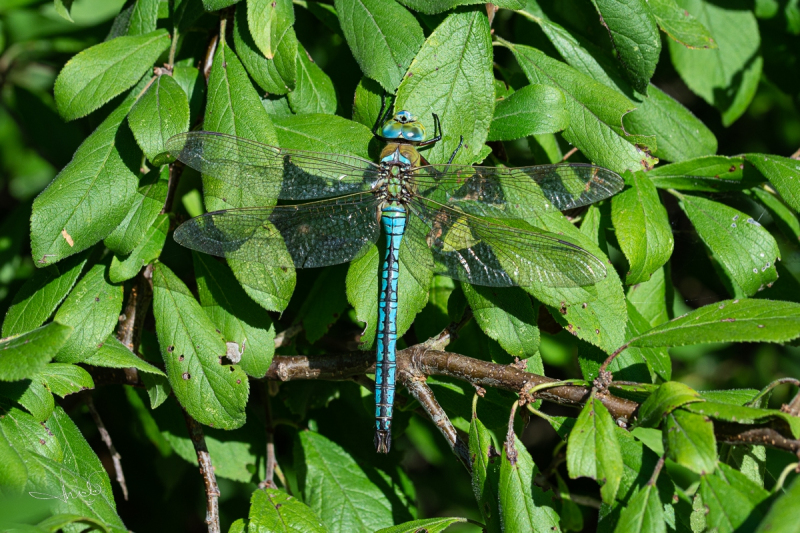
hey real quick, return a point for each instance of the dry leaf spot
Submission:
(67, 237)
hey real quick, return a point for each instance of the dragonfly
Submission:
(466, 222)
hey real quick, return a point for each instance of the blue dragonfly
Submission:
(466, 222)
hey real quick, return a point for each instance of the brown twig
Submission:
(448, 334)
(283, 338)
(569, 154)
(207, 471)
(106, 436)
(270, 431)
(415, 383)
(657, 470)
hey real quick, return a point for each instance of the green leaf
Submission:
(784, 515)
(783, 217)
(236, 316)
(212, 393)
(147, 204)
(728, 321)
(63, 379)
(323, 133)
(161, 112)
(14, 474)
(746, 415)
(634, 36)
(678, 133)
(506, 315)
(438, 81)
(92, 311)
(725, 77)
(337, 489)
(98, 74)
(689, 441)
(367, 102)
(783, 173)
(383, 36)
(32, 395)
(532, 110)
(432, 7)
(24, 356)
(593, 450)
(277, 74)
(668, 397)
(234, 107)
(145, 252)
(60, 461)
(90, 196)
(274, 511)
(41, 294)
(485, 474)
(643, 514)
(680, 25)
(314, 91)
(414, 280)
(114, 354)
(216, 5)
(745, 250)
(595, 111)
(711, 174)
(144, 17)
(657, 359)
(650, 298)
(642, 228)
(598, 313)
(428, 525)
(727, 507)
(523, 505)
(63, 8)
(268, 22)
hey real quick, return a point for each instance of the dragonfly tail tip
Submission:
(383, 441)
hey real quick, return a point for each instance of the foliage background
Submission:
(166, 493)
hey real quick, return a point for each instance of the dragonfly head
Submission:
(403, 126)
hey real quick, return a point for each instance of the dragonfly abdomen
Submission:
(393, 218)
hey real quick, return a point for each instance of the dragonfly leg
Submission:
(453, 156)
(382, 117)
(437, 131)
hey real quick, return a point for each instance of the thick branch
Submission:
(415, 383)
(207, 471)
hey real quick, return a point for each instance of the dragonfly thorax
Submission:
(397, 164)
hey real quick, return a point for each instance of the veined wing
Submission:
(270, 171)
(516, 192)
(482, 252)
(315, 234)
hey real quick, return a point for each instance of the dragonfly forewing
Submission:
(314, 234)
(491, 253)
(272, 172)
(499, 192)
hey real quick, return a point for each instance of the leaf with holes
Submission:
(213, 393)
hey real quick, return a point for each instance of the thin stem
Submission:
(771, 386)
(569, 154)
(782, 478)
(538, 413)
(657, 470)
(173, 47)
(207, 471)
(106, 436)
(675, 193)
(611, 358)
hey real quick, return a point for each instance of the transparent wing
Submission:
(315, 234)
(270, 171)
(516, 192)
(484, 252)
